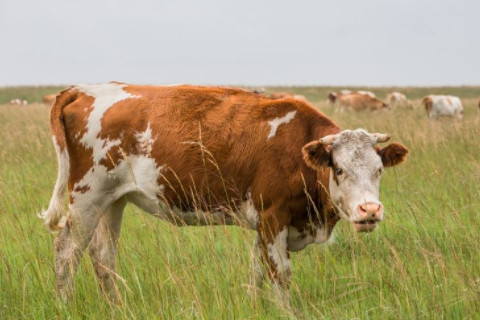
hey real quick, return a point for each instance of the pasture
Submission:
(422, 261)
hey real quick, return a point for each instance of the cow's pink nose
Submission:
(370, 210)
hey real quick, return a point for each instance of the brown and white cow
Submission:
(439, 105)
(356, 101)
(397, 100)
(206, 155)
(367, 93)
(48, 99)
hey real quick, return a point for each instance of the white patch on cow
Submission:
(278, 252)
(278, 121)
(99, 187)
(249, 213)
(145, 140)
(106, 95)
(298, 241)
(54, 215)
(353, 152)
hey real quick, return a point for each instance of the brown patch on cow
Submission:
(428, 104)
(57, 126)
(332, 97)
(316, 156)
(82, 189)
(393, 154)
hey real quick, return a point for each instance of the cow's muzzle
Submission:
(369, 214)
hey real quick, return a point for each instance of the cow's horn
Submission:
(381, 137)
(328, 140)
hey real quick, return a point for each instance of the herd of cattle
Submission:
(435, 105)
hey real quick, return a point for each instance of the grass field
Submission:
(422, 263)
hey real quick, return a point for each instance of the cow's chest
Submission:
(299, 239)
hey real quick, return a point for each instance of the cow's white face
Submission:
(356, 166)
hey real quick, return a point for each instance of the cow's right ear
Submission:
(316, 155)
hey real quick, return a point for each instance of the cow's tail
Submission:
(55, 216)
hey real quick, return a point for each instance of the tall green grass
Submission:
(421, 263)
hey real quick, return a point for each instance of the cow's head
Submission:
(356, 165)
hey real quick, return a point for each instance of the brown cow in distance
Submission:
(48, 99)
(356, 101)
(206, 155)
(281, 95)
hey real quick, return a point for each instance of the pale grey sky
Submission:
(334, 42)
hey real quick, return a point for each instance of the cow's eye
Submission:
(379, 171)
(339, 171)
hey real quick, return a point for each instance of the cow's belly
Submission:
(174, 215)
(246, 216)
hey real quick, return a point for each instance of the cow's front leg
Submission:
(272, 242)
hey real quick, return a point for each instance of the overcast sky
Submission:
(337, 42)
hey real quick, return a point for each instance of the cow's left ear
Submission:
(316, 155)
(392, 154)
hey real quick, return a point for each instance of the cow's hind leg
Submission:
(103, 248)
(70, 245)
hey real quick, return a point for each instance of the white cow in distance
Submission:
(397, 100)
(367, 93)
(19, 102)
(443, 105)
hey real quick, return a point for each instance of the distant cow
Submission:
(356, 101)
(367, 93)
(437, 105)
(281, 95)
(397, 100)
(20, 102)
(206, 155)
(48, 99)
(332, 96)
